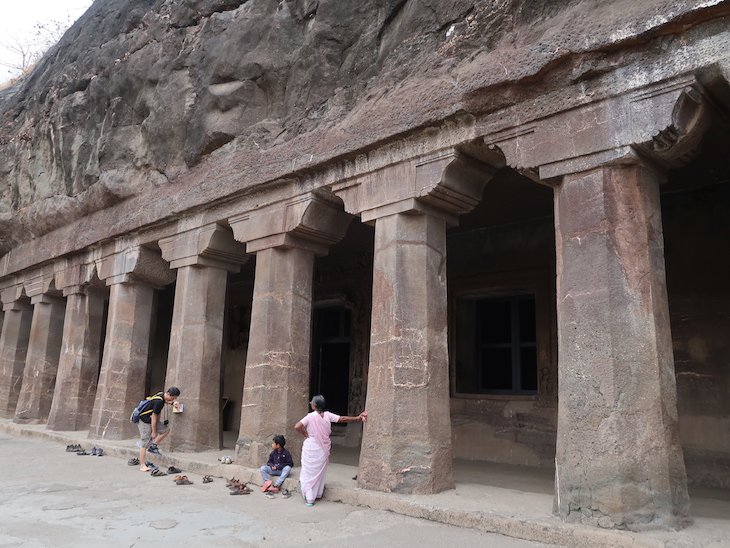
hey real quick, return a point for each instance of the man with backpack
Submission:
(153, 429)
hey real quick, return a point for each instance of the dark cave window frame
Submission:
(508, 287)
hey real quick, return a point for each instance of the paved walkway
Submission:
(508, 500)
(58, 499)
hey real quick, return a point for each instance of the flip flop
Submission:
(183, 481)
(156, 472)
(134, 461)
(173, 470)
(266, 485)
(207, 479)
(269, 495)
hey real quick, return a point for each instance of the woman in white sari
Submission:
(316, 428)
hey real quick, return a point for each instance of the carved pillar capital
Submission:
(39, 282)
(210, 245)
(75, 278)
(663, 122)
(11, 297)
(446, 184)
(309, 221)
(134, 264)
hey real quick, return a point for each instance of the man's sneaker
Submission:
(154, 449)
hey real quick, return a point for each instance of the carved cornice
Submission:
(133, 264)
(664, 121)
(40, 281)
(210, 245)
(12, 297)
(310, 221)
(77, 277)
(679, 142)
(447, 183)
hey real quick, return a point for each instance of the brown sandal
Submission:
(183, 481)
(241, 490)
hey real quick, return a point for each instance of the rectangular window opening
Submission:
(496, 345)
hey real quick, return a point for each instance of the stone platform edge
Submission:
(551, 531)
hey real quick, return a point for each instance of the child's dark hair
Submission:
(173, 391)
(280, 440)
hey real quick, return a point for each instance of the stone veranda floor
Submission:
(512, 501)
(54, 498)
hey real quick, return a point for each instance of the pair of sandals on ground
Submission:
(269, 489)
(154, 469)
(76, 448)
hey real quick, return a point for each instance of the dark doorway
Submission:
(331, 357)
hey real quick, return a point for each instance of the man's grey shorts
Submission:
(145, 432)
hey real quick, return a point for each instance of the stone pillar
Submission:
(406, 443)
(619, 461)
(276, 384)
(203, 257)
(78, 368)
(132, 275)
(41, 361)
(13, 349)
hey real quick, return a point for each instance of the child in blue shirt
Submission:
(279, 465)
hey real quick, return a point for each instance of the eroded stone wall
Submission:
(137, 94)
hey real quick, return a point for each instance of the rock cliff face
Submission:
(138, 92)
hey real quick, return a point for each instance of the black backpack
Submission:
(138, 411)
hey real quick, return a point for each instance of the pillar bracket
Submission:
(210, 245)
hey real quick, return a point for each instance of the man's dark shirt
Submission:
(279, 459)
(155, 406)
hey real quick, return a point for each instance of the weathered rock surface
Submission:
(137, 93)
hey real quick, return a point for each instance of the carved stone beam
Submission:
(71, 277)
(679, 142)
(211, 245)
(447, 183)
(311, 221)
(40, 281)
(11, 294)
(664, 121)
(134, 263)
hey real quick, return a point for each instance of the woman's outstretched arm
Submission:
(362, 417)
